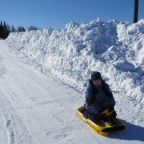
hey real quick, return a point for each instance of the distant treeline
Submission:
(5, 29)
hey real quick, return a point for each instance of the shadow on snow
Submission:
(131, 132)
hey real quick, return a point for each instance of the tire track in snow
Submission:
(17, 132)
(3, 131)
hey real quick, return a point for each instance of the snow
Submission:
(113, 48)
(39, 96)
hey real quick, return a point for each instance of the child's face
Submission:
(97, 82)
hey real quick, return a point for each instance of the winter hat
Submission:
(95, 75)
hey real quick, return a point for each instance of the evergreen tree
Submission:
(1, 29)
(13, 29)
(32, 28)
(4, 30)
(21, 29)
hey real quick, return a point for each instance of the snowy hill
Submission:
(114, 48)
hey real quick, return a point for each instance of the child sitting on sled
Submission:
(99, 99)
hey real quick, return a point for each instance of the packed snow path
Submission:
(35, 109)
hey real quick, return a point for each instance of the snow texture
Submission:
(43, 108)
(115, 49)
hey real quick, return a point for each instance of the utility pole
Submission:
(136, 3)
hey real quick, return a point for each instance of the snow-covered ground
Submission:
(113, 48)
(39, 109)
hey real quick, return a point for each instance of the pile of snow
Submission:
(114, 48)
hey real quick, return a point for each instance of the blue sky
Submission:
(57, 13)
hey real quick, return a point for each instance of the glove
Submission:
(114, 114)
(110, 108)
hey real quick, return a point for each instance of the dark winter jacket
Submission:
(98, 99)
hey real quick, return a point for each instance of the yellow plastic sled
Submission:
(104, 128)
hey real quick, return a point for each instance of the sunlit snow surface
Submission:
(69, 55)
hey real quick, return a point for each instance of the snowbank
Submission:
(115, 49)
